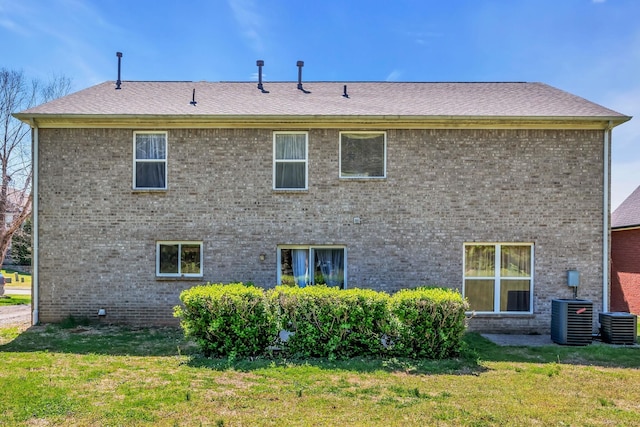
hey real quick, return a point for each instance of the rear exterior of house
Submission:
(494, 189)
(625, 255)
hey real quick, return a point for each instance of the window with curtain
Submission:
(150, 160)
(363, 155)
(312, 265)
(178, 259)
(498, 277)
(290, 160)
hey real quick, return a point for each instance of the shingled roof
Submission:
(325, 99)
(628, 213)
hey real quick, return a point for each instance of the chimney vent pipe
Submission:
(300, 64)
(119, 82)
(260, 64)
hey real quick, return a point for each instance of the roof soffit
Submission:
(276, 122)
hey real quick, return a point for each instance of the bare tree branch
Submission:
(18, 94)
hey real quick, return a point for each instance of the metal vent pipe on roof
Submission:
(260, 64)
(119, 82)
(300, 64)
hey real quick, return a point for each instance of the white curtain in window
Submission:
(289, 172)
(290, 146)
(479, 261)
(300, 261)
(515, 261)
(151, 157)
(331, 266)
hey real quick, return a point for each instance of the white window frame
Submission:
(311, 249)
(306, 160)
(384, 174)
(497, 277)
(179, 243)
(165, 160)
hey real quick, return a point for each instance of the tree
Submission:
(18, 94)
(21, 244)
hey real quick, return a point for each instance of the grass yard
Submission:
(14, 300)
(110, 376)
(18, 280)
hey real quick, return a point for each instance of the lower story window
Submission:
(498, 277)
(179, 259)
(309, 265)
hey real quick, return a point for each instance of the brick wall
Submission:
(625, 271)
(443, 188)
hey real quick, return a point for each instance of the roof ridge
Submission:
(328, 81)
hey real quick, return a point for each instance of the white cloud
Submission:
(12, 26)
(254, 76)
(394, 76)
(423, 37)
(250, 21)
(13, 17)
(72, 35)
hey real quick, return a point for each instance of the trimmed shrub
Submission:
(228, 320)
(240, 320)
(333, 323)
(430, 322)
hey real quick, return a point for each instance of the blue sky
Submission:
(587, 47)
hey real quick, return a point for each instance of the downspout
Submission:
(34, 218)
(605, 221)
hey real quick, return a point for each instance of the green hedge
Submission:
(328, 322)
(241, 320)
(224, 320)
(430, 322)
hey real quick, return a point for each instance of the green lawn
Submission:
(14, 300)
(18, 280)
(109, 376)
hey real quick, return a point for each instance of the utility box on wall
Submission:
(573, 278)
(571, 321)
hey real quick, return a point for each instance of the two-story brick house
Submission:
(495, 189)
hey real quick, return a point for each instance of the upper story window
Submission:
(290, 161)
(363, 155)
(150, 160)
(179, 259)
(498, 277)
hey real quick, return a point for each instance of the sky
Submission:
(590, 48)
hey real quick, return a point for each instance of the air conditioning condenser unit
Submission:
(618, 328)
(571, 321)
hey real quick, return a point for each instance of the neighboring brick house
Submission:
(625, 255)
(495, 189)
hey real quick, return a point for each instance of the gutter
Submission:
(626, 227)
(35, 288)
(606, 256)
(285, 121)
